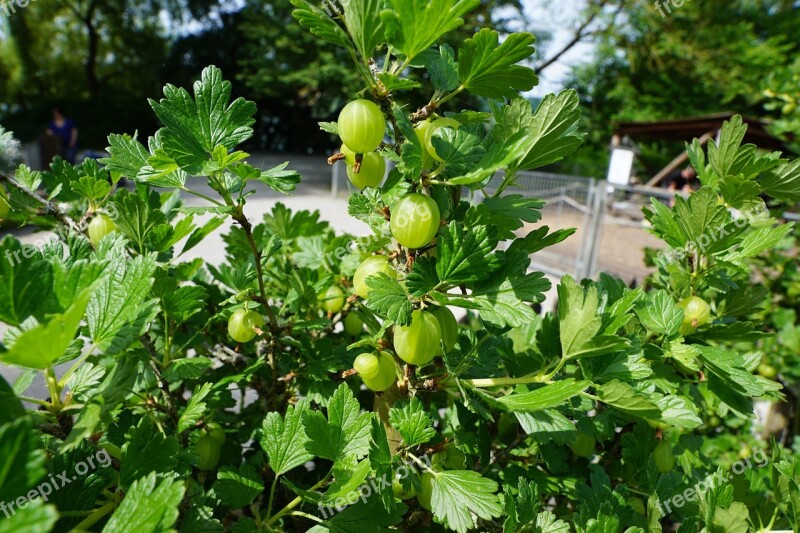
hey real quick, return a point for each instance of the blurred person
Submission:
(684, 181)
(65, 130)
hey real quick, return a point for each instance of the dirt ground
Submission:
(621, 245)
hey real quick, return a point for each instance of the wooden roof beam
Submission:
(678, 161)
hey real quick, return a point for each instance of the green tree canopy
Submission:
(704, 57)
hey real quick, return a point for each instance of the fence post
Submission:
(600, 214)
(590, 244)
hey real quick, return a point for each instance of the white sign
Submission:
(620, 166)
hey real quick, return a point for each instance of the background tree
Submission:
(102, 58)
(95, 58)
(705, 57)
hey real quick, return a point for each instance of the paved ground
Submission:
(621, 245)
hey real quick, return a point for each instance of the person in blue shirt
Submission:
(67, 133)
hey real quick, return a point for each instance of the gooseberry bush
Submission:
(306, 384)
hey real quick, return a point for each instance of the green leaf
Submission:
(39, 347)
(552, 128)
(26, 283)
(117, 302)
(783, 182)
(460, 149)
(545, 397)
(161, 169)
(201, 233)
(547, 522)
(147, 450)
(91, 188)
(734, 519)
(371, 516)
(722, 156)
(30, 179)
(200, 519)
(21, 461)
(380, 458)
(70, 280)
(412, 26)
(344, 432)
(203, 210)
(623, 397)
(458, 494)
(35, 517)
(539, 239)
(500, 155)
(677, 411)
(547, 425)
(364, 25)
(488, 68)
(12, 407)
(195, 409)
(279, 179)
(520, 510)
(505, 214)
(393, 82)
(238, 488)
(759, 240)
(700, 214)
(441, 65)
(86, 423)
(190, 368)
(731, 381)
(128, 156)
(150, 506)
(320, 24)
(194, 127)
(659, 313)
(349, 476)
(389, 299)
(739, 192)
(464, 255)
(504, 298)
(423, 278)
(184, 302)
(412, 422)
(577, 315)
(330, 127)
(367, 207)
(138, 218)
(83, 383)
(284, 439)
(664, 223)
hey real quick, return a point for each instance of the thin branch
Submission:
(48, 208)
(579, 35)
(151, 349)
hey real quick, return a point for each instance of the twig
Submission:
(577, 37)
(48, 208)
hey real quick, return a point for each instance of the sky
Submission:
(560, 18)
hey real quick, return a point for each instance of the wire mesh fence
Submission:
(610, 229)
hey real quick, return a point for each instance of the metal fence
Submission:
(611, 232)
(570, 203)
